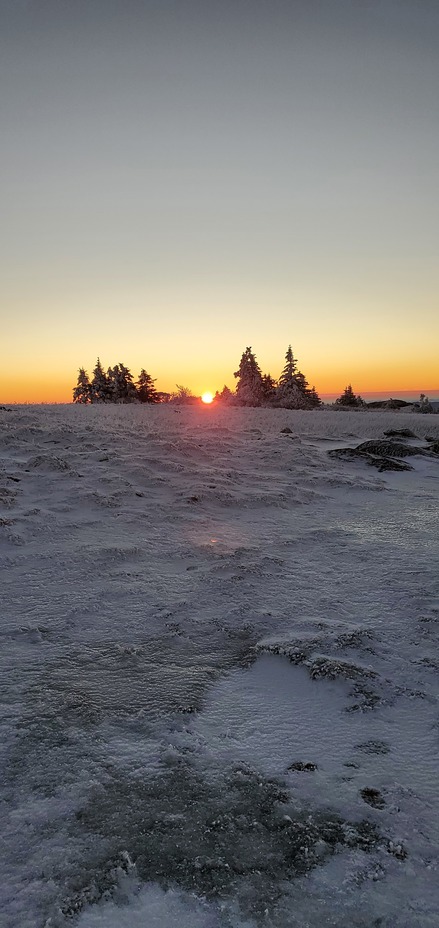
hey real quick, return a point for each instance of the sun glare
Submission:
(207, 397)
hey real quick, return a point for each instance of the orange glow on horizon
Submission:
(56, 387)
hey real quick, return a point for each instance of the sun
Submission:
(207, 397)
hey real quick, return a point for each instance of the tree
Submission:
(313, 397)
(288, 374)
(268, 388)
(82, 391)
(120, 386)
(226, 397)
(349, 399)
(249, 389)
(99, 385)
(424, 404)
(291, 396)
(184, 396)
(293, 391)
(146, 390)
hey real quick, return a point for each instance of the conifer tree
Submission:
(249, 389)
(146, 390)
(99, 385)
(348, 398)
(112, 374)
(292, 391)
(289, 371)
(313, 397)
(120, 384)
(226, 397)
(268, 388)
(127, 387)
(82, 391)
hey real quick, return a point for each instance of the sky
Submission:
(180, 179)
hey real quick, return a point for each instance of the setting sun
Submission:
(207, 397)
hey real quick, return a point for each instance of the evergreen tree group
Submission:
(254, 388)
(114, 386)
(349, 400)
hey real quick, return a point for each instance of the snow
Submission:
(219, 670)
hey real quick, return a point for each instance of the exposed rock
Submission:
(388, 404)
(434, 446)
(347, 454)
(334, 669)
(389, 449)
(382, 463)
(373, 797)
(302, 767)
(389, 464)
(286, 431)
(400, 433)
(373, 747)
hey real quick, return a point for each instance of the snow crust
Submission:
(219, 670)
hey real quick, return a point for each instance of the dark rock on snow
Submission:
(390, 464)
(389, 449)
(373, 797)
(303, 767)
(374, 460)
(400, 433)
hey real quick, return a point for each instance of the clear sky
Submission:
(183, 178)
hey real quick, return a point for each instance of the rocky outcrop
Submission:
(400, 433)
(385, 453)
(374, 460)
(390, 449)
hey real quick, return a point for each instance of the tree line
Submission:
(253, 388)
(116, 385)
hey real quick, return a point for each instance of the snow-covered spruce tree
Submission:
(290, 396)
(313, 397)
(293, 391)
(289, 371)
(146, 390)
(112, 375)
(268, 389)
(99, 385)
(121, 386)
(226, 397)
(82, 391)
(249, 389)
(349, 399)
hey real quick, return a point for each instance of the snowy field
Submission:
(219, 670)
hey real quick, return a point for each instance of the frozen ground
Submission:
(220, 671)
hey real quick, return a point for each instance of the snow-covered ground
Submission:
(219, 669)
